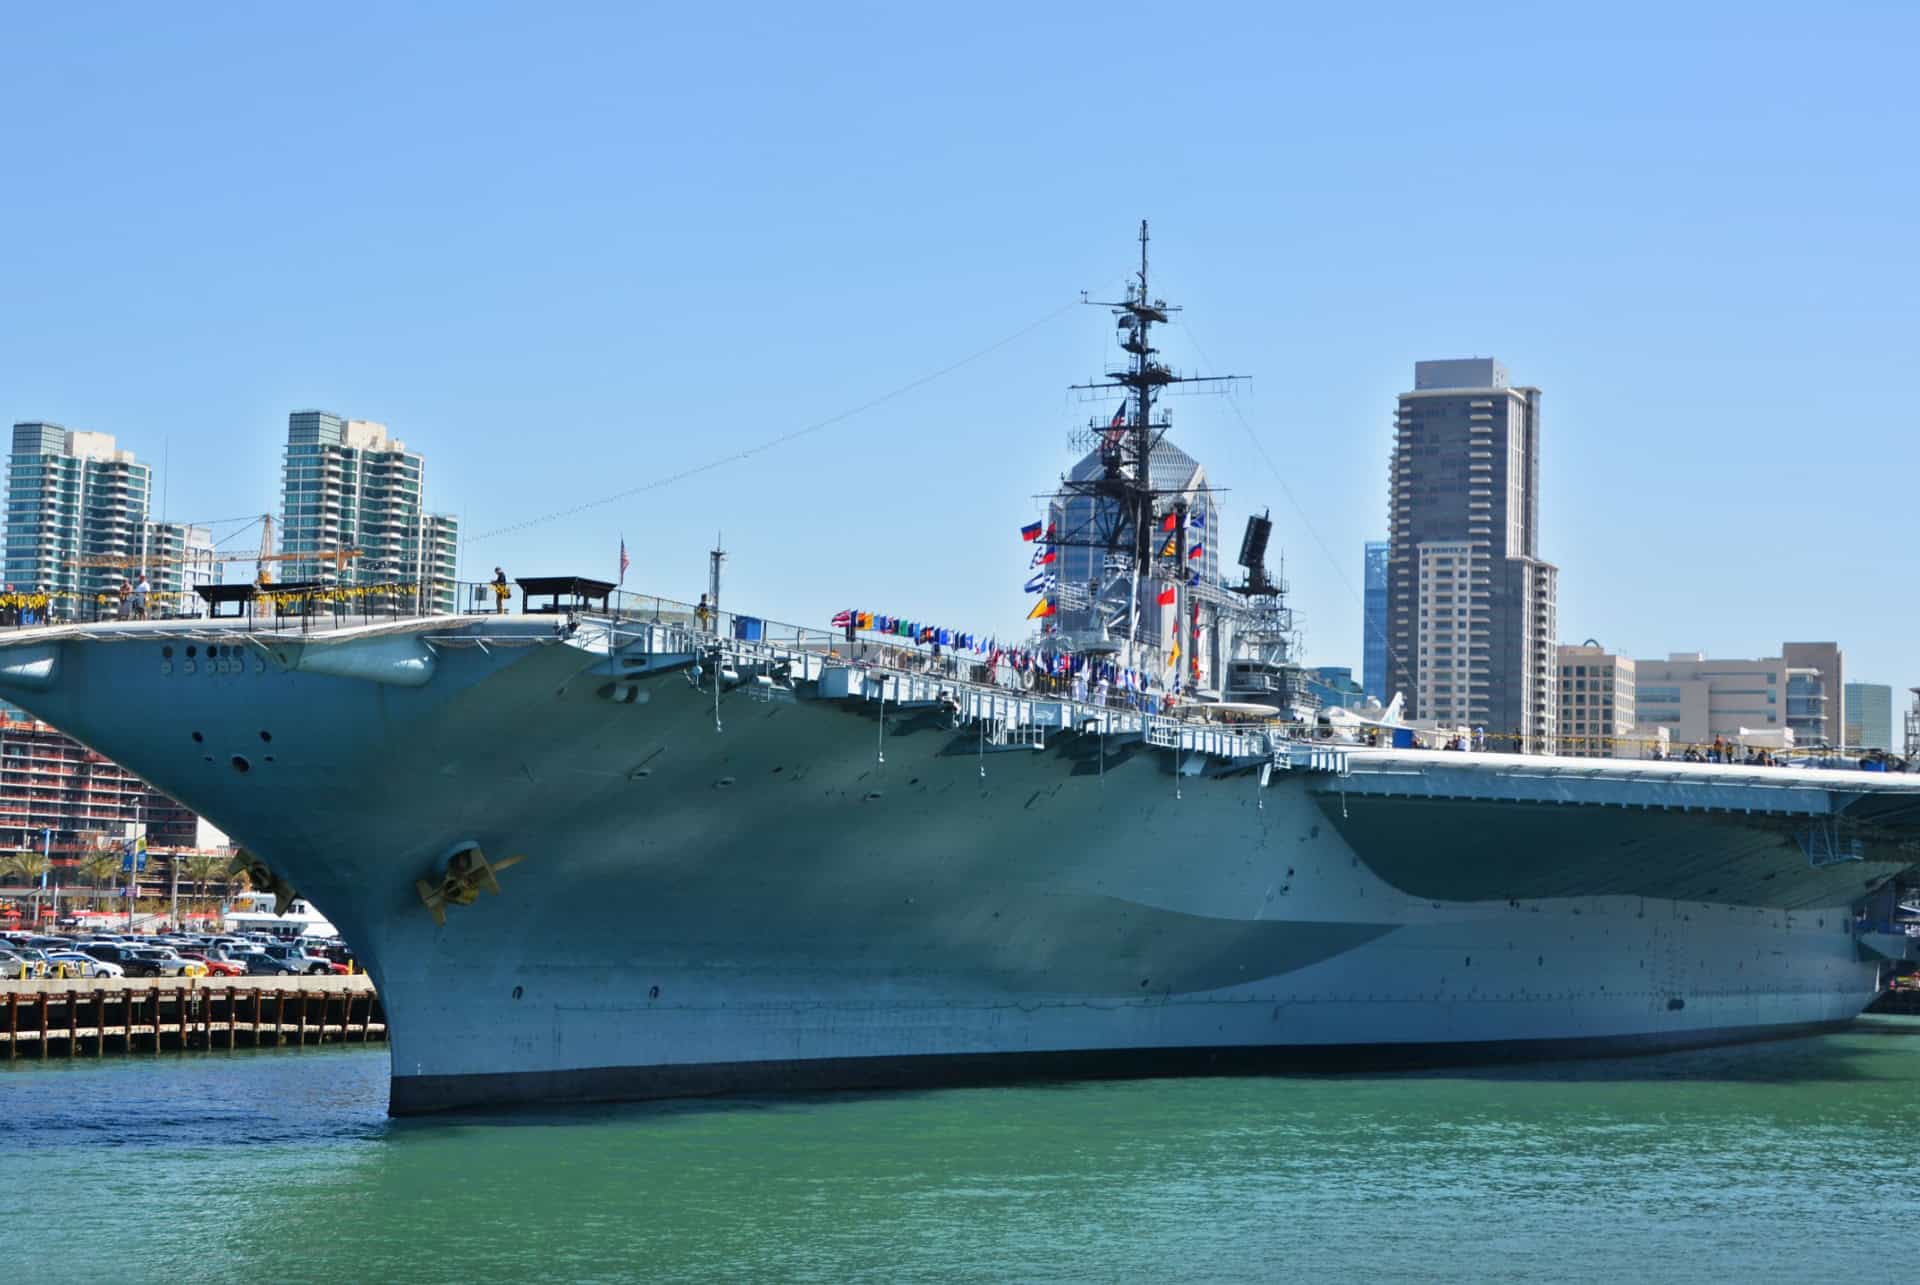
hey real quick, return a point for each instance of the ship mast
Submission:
(1125, 501)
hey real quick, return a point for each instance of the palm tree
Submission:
(203, 868)
(29, 867)
(26, 865)
(100, 866)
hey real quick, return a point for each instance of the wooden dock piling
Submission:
(169, 1014)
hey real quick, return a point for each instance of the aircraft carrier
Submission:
(627, 847)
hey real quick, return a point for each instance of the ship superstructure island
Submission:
(624, 847)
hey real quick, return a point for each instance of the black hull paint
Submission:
(424, 1094)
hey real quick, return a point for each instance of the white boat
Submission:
(253, 912)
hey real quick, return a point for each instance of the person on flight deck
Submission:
(703, 613)
(126, 599)
(500, 592)
(140, 597)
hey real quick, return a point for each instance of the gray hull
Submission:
(815, 894)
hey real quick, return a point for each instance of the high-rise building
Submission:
(1471, 610)
(181, 559)
(1816, 692)
(72, 496)
(1596, 703)
(1869, 717)
(348, 485)
(1373, 622)
(51, 782)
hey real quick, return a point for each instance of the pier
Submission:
(93, 1018)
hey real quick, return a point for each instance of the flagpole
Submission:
(1180, 588)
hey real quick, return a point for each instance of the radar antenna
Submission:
(1130, 519)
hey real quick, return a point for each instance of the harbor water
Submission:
(1782, 1161)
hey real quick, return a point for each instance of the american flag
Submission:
(625, 561)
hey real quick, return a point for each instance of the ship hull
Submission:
(427, 1094)
(723, 894)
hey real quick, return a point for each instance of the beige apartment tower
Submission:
(1471, 607)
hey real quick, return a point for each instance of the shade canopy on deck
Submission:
(562, 593)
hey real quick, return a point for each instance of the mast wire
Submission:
(1393, 655)
(784, 438)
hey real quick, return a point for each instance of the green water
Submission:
(1789, 1161)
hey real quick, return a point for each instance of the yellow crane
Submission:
(204, 558)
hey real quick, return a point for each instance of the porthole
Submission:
(192, 652)
(213, 649)
(197, 738)
(166, 653)
(267, 737)
(240, 764)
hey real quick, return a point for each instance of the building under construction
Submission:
(51, 782)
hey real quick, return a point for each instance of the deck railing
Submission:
(280, 610)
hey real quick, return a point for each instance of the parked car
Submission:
(34, 955)
(261, 964)
(299, 960)
(15, 968)
(157, 961)
(79, 965)
(216, 967)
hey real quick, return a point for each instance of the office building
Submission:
(1597, 703)
(1869, 717)
(1373, 622)
(76, 515)
(348, 485)
(1333, 685)
(1698, 698)
(1471, 610)
(1816, 692)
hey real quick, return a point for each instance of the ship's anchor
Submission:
(468, 871)
(263, 879)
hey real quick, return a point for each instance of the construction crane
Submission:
(212, 558)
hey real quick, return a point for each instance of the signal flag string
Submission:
(784, 438)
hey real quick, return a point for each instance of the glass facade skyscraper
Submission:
(1869, 717)
(1373, 622)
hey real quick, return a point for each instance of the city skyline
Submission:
(595, 300)
(176, 576)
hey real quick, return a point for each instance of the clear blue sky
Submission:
(567, 250)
